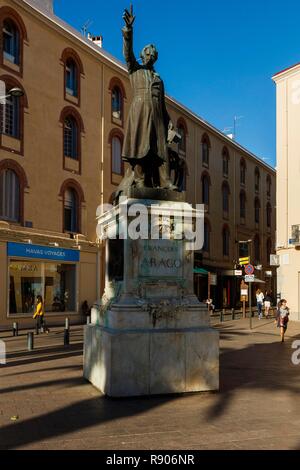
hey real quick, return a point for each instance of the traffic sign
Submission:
(249, 269)
(250, 278)
(238, 272)
(244, 261)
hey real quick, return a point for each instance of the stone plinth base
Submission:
(151, 362)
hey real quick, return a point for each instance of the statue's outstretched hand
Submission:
(129, 17)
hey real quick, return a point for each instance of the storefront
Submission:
(37, 270)
(64, 277)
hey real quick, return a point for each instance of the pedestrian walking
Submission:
(282, 317)
(39, 316)
(210, 305)
(267, 303)
(259, 301)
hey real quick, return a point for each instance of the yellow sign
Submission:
(244, 261)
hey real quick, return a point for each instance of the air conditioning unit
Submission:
(295, 235)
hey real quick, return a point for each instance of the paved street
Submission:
(258, 406)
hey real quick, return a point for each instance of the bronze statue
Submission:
(149, 128)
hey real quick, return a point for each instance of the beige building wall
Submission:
(288, 173)
(42, 161)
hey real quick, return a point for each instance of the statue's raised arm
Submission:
(129, 56)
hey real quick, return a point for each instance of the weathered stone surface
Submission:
(151, 362)
(150, 334)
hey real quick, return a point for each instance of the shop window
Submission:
(11, 42)
(71, 211)
(9, 196)
(56, 283)
(71, 78)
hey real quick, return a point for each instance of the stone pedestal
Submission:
(149, 334)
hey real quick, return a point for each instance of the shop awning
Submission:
(201, 271)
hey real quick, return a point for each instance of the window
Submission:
(117, 104)
(9, 196)
(257, 180)
(256, 249)
(71, 78)
(269, 185)
(117, 163)
(243, 172)
(205, 150)
(56, 283)
(70, 138)
(10, 117)
(243, 250)
(242, 205)
(71, 211)
(257, 211)
(269, 250)
(11, 42)
(225, 241)
(225, 158)
(269, 215)
(225, 197)
(182, 132)
(73, 70)
(206, 245)
(13, 35)
(205, 189)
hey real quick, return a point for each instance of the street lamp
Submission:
(15, 92)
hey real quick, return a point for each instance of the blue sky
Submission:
(216, 57)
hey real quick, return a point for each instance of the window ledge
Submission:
(10, 64)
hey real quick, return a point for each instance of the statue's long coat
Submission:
(148, 121)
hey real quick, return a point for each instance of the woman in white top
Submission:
(260, 300)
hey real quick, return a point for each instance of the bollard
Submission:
(233, 314)
(66, 337)
(222, 315)
(67, 324)
(15, 329)
(30, 341)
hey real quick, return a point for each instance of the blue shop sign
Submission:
(20, 250)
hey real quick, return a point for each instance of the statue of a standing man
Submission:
(149, 127)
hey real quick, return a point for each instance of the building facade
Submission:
(288, 170)
(60, 158)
